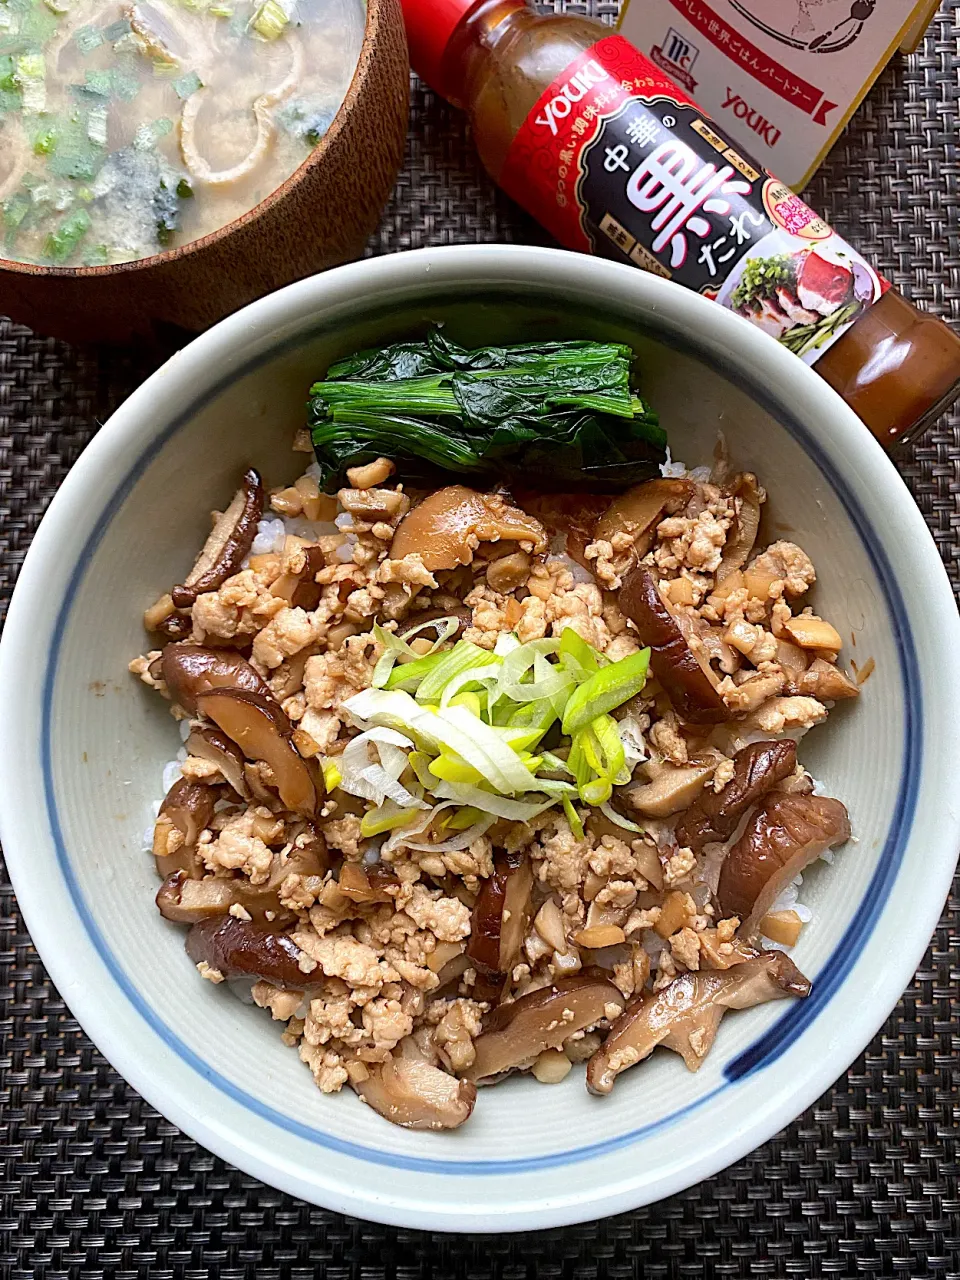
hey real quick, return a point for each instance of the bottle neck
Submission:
(474, 45)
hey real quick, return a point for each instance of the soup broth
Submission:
(130, 128)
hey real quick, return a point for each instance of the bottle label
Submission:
(616, 160)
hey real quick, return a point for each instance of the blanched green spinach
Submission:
(555, 415)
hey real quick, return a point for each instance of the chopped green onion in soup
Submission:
(130, 127)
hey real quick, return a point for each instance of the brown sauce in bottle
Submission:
(896, 367)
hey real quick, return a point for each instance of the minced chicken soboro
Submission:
(340, 834)
(127, 129)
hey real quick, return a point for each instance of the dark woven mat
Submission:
(865, 1183)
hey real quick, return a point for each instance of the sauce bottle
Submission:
(614, 158)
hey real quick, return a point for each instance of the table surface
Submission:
(95, 1182)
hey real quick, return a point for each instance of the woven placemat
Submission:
(96, 1183)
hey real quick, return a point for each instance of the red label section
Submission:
(542, 169)
(616, 160)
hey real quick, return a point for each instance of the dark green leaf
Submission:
(562, 411)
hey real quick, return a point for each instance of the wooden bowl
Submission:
(321, 216)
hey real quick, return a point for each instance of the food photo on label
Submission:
(490, 729)
(615, 158)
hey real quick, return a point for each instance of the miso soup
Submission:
(130, 128)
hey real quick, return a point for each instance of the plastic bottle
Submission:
(597, 144)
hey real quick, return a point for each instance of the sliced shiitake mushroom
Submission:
(688, 682)
(242, 949)
(501, 915)
(228, 544)
(216, 748)
(714, 815)
(826, 682)
(785, 835)
(367, 884)
(444, 529)
(187, 808)
(185, 900)
(301, 590)
(569, 519)
(411, 1092)
(261, 730)
(639, 510)
(463, 615)
(515, 1034)
(743, 535)
(685, 1015)
(671, 788)
(191, 669)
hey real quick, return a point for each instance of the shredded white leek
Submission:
(462, 734)
(394, 647)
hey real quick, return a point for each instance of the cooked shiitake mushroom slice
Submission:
(671, 787)
(186, 809)
(190, 669)
(714, 815)
(445, 527)
(411, 1092)
(186, 901)
(784, 836)
(215, 747)
(262, 731)
(463, 615)
(515, 1034)
(688, 682)
(241, 949)
(501, 915)
(685, 1015)
(639, 510)
(743, 535)
(228, 544)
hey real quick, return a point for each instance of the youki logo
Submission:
(760, 125)
(676, 56)
(558, 108)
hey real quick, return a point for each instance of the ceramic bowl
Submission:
(322, 215)
(82, 745)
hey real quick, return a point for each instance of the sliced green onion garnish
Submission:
(61, 243)
(573, 818)
(269, 20)
(606, 689)
(464, 656)
(30, 75)
(394, 647)
(608, 811)
(574, 652)
(331, 774)
(187, 84)
(388, 817)
(450, 768)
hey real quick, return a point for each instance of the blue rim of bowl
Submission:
(768, 1046)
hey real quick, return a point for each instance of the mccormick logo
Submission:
(760, 125)
(676, 56)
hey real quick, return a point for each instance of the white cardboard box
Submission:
(782, 77)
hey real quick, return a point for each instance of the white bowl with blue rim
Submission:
(82, 745)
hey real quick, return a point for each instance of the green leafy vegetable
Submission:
(62, 242)
(562, 412)
(762, 277)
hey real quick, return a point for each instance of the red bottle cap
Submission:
(430, 25)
